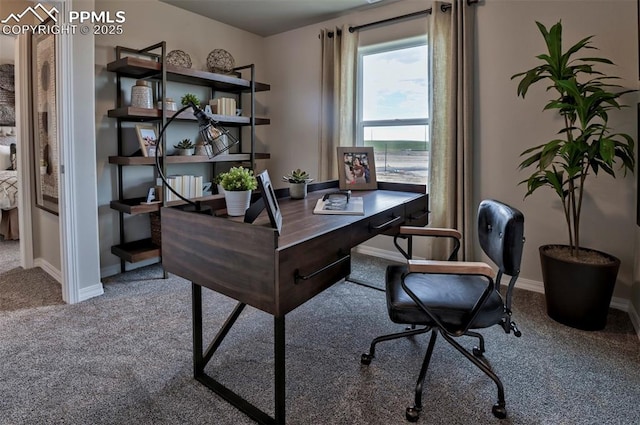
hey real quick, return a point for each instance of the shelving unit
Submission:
(150, 63)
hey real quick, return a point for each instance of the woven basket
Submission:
(156, 229)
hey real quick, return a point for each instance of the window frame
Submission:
(382, 48)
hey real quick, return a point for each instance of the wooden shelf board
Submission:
(133, 206)
(177, 159)
(135, 251)
(142, 114)
(134, 67)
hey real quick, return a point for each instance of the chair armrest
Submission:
(451, 267)
(430, 231)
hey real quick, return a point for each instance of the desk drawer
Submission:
(310, 267)
(417, 212)
(384, 222)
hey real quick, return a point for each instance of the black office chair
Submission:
(451, 298)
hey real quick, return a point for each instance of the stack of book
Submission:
(223, 106)
(188, 186)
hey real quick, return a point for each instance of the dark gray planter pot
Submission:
(578, 294)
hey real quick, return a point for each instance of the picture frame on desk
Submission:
(270, 200)
(356, 168)
(148, 139)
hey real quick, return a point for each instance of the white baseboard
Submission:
(380, 253)
(90, 292)
(48, 268)
(635, 319)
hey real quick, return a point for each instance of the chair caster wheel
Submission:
(499, 411)
(366, 358)
(412, 414)
(477, 352)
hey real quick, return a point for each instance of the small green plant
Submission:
(297, 176)
(218, 178)
(190, 97)
(185, 144)
(239, 178)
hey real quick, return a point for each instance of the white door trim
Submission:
(68, 236)
(25, 181)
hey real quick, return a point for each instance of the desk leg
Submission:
(196, 316)
(201, 358)
(280, 376)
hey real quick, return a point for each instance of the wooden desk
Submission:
(253, 265)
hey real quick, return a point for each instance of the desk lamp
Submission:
(215, 142)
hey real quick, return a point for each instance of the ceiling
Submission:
(269, 17)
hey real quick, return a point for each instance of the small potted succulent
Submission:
(185, 147)
(238, 183)
(298, 181)
(190, 97)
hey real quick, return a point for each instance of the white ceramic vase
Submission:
(237, 201)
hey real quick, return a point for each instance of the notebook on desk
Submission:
(340, 205)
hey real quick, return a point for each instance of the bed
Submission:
(9, 224)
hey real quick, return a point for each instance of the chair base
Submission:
(412, 413)
(366, 358)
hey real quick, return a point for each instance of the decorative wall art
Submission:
(356, 168)
(7, 95)
(44, 118)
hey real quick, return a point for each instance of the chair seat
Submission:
(450, 298)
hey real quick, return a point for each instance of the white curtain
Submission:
(338, 110)
(450, 192)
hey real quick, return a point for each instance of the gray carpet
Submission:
(125, 358)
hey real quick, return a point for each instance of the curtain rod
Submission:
(443, 7)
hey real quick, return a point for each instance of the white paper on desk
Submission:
(355, 206)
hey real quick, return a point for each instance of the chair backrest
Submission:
(501, 235)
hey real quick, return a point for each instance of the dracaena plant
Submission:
(583, 97)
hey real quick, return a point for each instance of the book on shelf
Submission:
(340, 205)
(223, 106)
(188, 186)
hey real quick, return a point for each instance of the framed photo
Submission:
(356, 168)
(270, 200)
(148, 139)
(45, 119)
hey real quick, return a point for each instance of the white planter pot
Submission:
(237, 201)
(298, 190)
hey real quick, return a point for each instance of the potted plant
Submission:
(238, 183)
(190, 97)
(185, 147)
(217, 180)
(298, 181)
(578, 281)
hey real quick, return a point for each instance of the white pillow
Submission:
(5, 157)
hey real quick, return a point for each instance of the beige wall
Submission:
(507, 42)
(149, 22)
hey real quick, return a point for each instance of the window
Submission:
(393, 113)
